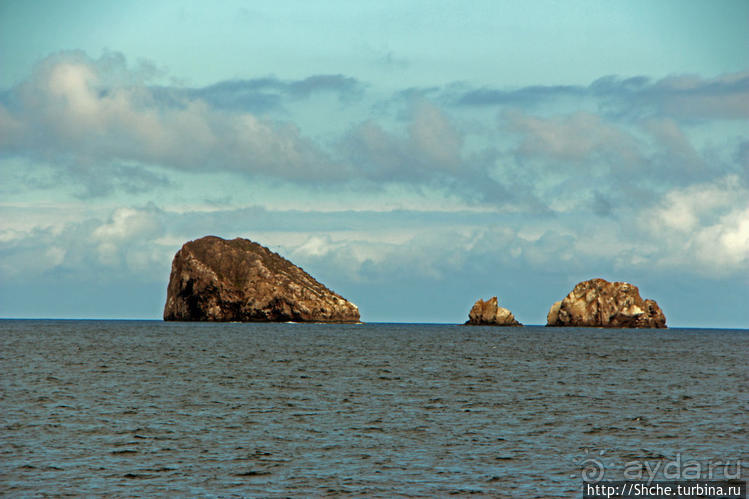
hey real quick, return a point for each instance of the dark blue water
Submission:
(149, 408)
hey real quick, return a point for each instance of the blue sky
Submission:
(413, 156)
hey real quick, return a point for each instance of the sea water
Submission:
(269, 410)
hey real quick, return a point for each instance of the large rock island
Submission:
(213, 279)
(489, 313)
(599, 303)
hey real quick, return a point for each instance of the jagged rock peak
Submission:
(214, 279)
(599, 303)
(489, 313)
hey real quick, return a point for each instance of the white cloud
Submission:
(704, 227)
(126, 227)
(125, 244)
(128, 223)
(683, 210)
(71, 111)
(25, 256)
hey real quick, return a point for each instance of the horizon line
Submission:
(137, 319)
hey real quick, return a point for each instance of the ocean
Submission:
(295, 410)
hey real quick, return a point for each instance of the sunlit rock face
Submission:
(599, 303)
(489, 313)
(213, 279)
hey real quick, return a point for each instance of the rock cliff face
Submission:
(213, 279)
(599, 303)
(488, 313)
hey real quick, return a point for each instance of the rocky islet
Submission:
(489, 313)
(600, 303)
(213, 279)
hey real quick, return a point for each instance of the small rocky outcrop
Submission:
(213, 279)
(599, 303)
(489, 313)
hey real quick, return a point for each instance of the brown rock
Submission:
(213, 279)
(489, 313)
(599, 303)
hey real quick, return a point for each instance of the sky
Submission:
(412, 156)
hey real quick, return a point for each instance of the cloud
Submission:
(124, 245)
(741, 158)
(76, 112)
(264, 94)
(681, 96)
(586, 161)
(579, 137)
(434, 136)
(704, 227)
(429, 152)
(675, 155)
(601, 205)
(576, 162)
(526, 95)
(693, 97)
(431, 146)
(123, 227)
